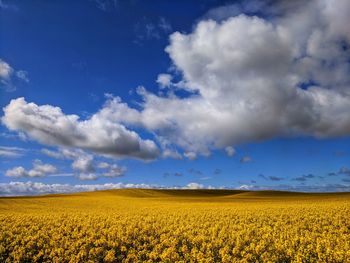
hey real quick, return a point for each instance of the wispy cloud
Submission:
(14, 136)
(106, 5)
(146, 29)
(4, 5)
(11, 151)
(23, 75)
(61, 175)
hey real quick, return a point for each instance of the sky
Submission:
(104, 94)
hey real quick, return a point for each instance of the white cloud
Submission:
(16, 172)
(164, 80)
(5, 70)
(53, 154)
(84, 164)
(23, 75)
(72, 154)
(167, 153)
(230, 151)
(246, 187)
(101, 133)
(39, 170)
(194, 186)
(11, 151)
(114, 171)
(190, 155)
(103, 165)
(111, 170)
(246, 159)
(82, 161)
(9, 76)
(87, 176)
(32, 188)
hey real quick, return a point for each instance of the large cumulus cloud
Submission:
(254, 79)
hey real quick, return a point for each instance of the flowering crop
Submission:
(174, 226)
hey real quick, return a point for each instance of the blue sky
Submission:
(221, 116)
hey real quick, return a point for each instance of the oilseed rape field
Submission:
(137, 225)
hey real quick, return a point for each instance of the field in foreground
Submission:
(176, 226)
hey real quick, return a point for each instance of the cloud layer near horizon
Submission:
(248, 79)
(35, 188)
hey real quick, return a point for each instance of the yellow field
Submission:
(176, 226)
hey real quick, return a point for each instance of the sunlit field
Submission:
(176, 226)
